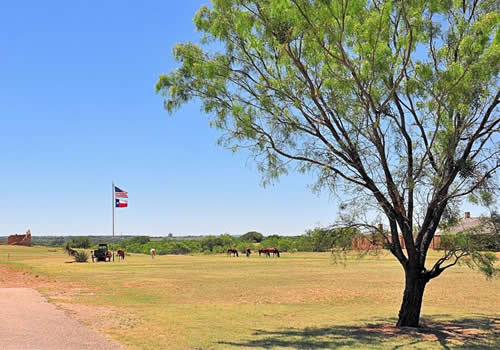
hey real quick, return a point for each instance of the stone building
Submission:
(24, 240)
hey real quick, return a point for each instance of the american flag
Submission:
(119, 193)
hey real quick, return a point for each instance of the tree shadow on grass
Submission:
(465, 333)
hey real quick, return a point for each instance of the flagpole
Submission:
(113, 205)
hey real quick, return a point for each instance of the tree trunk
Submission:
(409, 314)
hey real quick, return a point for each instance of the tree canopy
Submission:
(252, 236)
(393, 101)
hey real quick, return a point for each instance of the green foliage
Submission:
(331, 239)
(241, 246)
(50, 241)
(209, 242)
(451, 216)
(270, 242)
(322, 239)
(56, 242)
(285, 244)
(80, 242)
(217, 243)
(140, 240)
(471, 249)
(339, 88)
(81, 256)
(471, 241)
(304, 243)
(252, 236)
(143, 245)
(393, 103)
(495, 220)
(485, 262)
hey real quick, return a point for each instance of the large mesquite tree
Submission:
(395, 99)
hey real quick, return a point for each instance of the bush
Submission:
(217, 244)
(270, 242)
(242, 246)
(304, 243)
(81, 256)
(218, 250)
(285, 245)
(80, 242)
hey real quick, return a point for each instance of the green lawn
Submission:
(300, 300)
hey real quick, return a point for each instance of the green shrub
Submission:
(81, 242)
(304, 243)
(81, 256)
(218, 249)
(242, 246)
(285, 244)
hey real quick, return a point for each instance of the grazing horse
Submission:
(121, 254)
(232, 251)
(268, 251)
(70, 251)
(248, 252)
(276, 252)
(153, 253)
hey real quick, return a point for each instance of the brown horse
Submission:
(121, 254)
(109, 255)
(248, 252)
(268, 251)
(232, 251)
(70, 251)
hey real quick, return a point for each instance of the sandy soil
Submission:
(10, 278)
(28, 321)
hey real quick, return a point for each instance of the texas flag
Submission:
(121, 203)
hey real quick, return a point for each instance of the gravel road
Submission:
(28, 321)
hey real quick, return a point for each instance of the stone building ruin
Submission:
(24, 240)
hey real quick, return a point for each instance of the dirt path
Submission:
(28, 321)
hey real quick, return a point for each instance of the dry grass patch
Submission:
(297, 301)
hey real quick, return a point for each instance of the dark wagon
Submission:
(102, 253)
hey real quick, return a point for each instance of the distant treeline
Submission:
(315, 240)
(59, 241)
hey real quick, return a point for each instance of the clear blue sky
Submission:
(78, 109)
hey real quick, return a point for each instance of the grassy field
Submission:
(301, 300)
